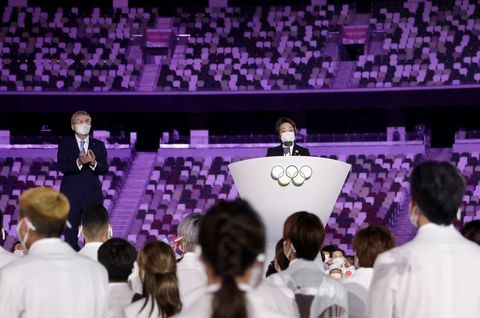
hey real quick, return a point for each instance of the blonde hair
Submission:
(46, 208)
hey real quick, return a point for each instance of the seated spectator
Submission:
(368, 243)
(158, 267)
(5, 256)
(190, 271)
(52, 280)
(95, 228)
(421, 278)
(118, 256)
(280, 262)
(471, 231)
(317, 294)
(232, 239)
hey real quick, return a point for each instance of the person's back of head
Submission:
(95, 224)
(43, 214)
(158, 267)
(471, 231)
(118, 256)
(188, 232)
(303, 233)
(369, 242)
(437, 191)
(231, 236)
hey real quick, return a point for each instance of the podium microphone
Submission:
(288, 143)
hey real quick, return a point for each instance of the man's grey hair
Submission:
(79, 113)
(188, 230)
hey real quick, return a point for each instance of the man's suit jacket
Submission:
(81, 186)
(297, 151)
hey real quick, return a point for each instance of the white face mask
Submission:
(339, 261)
(29, 227)
(412, 216)
(83, 129)
(287, 137)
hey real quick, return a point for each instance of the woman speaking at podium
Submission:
(286, 131)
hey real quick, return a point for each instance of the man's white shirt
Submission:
(53, 281)
(434, 275)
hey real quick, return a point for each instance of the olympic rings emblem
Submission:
(291, 174)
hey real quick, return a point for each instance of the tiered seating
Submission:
(427, 43)
(19, 174)
(469, 165)
(254, 48)
(69, 48)
(178, 187)
(375, 191)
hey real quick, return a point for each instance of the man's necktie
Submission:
(82, 147)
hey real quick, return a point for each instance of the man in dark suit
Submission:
(286, 131)
(81, 158)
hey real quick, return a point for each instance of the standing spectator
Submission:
(405, 283)
(118, 256)
(368, 243)
(52, 280)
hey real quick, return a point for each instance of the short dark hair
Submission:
(283, 120)
(471, 231)
(118, 256)
(95, 219)
(437, 188)
(306, 232)
(371, 241)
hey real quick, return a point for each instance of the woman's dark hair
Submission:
(305, 231)
(280, 257)
(438, 188)
(231, 236)
(369, 242)
(158, 265)
(283, 120)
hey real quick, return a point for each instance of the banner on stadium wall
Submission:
(355, 34)
(156, 38)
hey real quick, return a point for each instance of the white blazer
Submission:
(91, 250)
(6, 257)
(434, 275)
(191, 273)
(53, 281)
(307, 280)
(357, 287)
(119, 296)
(199, 304)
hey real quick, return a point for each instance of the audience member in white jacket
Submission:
(316, 293)
(118, 256)
(52, 280)
(157, 264)
(232, 240)
(95, 228)
(190, 270)
(367, 244)
(436, 274)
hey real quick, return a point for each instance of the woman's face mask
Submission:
(287, 137)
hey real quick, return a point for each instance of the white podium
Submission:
(278, 186)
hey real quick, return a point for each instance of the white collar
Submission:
(214, 287)
(78, 139)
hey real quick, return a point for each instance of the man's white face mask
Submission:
(412, 215)
(287, 137)
(83, 129)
